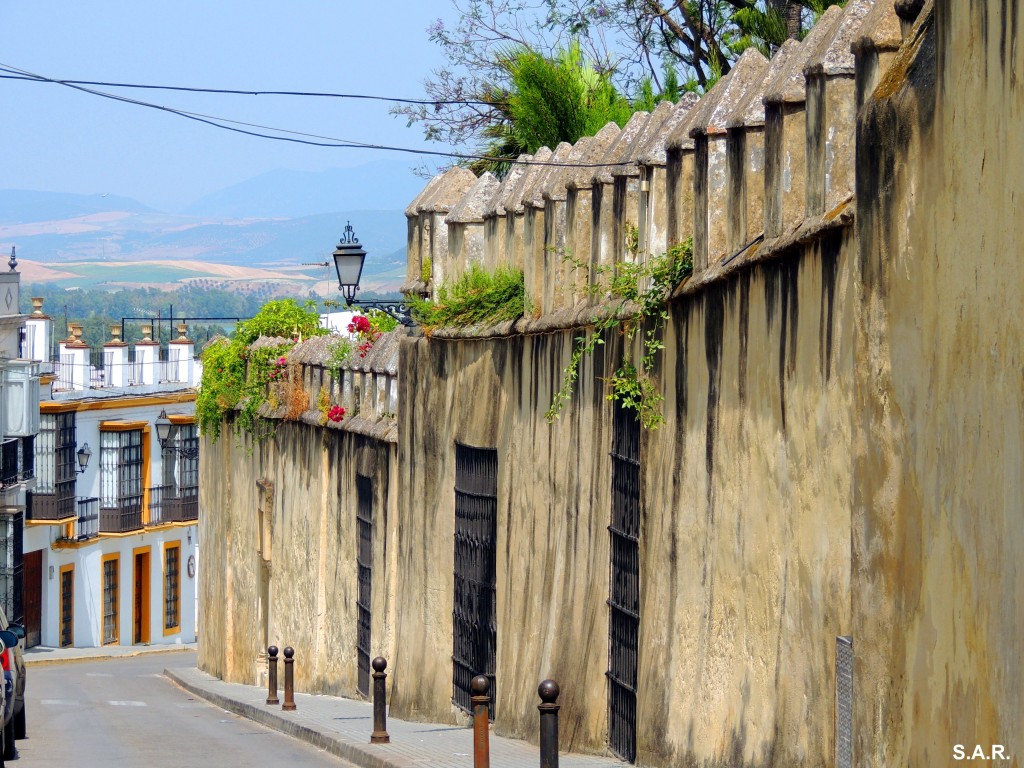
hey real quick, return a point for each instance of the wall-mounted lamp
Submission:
(164, 430)
(84, 454)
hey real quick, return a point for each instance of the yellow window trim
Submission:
(176, 629)
(116, 557)
(122, 426)
(181, 419)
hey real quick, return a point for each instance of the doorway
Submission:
(33, 598)
(141, 596)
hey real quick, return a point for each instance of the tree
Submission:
(682, 44)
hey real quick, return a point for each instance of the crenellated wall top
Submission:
(651, 133)
(789, 86)
(654, 152)
(476, 202)
(533, 193)
(512, 196)
(452, 186)
(412, 210)
(744, 79)
(594, 152)
(619, 150)
(749, 111)
(833, 55)
(880, 30)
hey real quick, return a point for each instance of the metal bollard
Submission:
(380, 712)
(548, 692)
(480, 687)
(289, 680)
(272, 675)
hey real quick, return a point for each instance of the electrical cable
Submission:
(321, 141)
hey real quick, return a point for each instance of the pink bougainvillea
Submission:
(336, 413)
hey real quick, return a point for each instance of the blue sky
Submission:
(56, 139)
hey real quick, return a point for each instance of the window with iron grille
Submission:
(55, 461)
(624, 597)
(364, 565)
(67, 606)
(120, 467)
(111, 593)
(172, 586)
(476, 532)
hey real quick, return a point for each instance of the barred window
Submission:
(172, 586)
(181, 467)
(120, 467)
(111, 594)
(55, 451)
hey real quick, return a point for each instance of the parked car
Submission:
(14, 718)
(8, 644)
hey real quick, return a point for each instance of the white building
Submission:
(110, 540)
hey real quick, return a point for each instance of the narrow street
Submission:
(126, 713)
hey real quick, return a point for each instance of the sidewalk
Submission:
(40, 654)
(342, 727)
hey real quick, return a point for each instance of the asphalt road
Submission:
(125, 713)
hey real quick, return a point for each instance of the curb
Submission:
(354, 753)
(35, 660)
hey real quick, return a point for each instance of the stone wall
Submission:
(843, 450)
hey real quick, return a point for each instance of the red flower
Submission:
(359, 324)
(337, 413)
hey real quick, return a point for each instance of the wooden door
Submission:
(33, 597)
(140, 598)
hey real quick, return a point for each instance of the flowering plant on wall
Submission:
(336, 413)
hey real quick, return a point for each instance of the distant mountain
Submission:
(22, 206)
(380, 185)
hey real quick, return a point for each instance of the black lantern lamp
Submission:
(164, 429)
(84, 454)
(349, 257)
(348, 262)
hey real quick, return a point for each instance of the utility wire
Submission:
(310, 139)
(313, 94)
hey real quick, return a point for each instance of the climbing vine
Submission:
(647, 286)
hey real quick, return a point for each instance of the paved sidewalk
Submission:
(40, 654)
(342, 727)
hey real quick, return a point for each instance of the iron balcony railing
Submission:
(169, 504)
(28, 458)
(125, 517)
(86, 524)
(9, 470)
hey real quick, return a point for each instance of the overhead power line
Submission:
(246, 92)
(295, 137)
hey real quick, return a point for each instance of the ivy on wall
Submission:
(647, 287)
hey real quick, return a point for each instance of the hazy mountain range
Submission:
(280, 219)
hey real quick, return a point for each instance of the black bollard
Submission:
(272, 675)
(289, 680)
(480, 687)
(380, 712)
(548, 692)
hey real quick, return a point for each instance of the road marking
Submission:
(58, 703)
(127, 703)
(98, 674)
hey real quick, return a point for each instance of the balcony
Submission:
(49, 507)
(168, 504)
(124, 518)
(9, 469)
(86, 524)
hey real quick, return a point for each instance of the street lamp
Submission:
(348, 263)
(84, 454)
(164, 429)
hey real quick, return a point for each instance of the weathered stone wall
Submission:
(745, 557)
(939, 470)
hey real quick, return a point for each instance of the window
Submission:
(172, 587)
(181, 467)
(56, 464)
(121, 468)
(111, 595)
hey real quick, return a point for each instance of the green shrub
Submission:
(478, 297)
